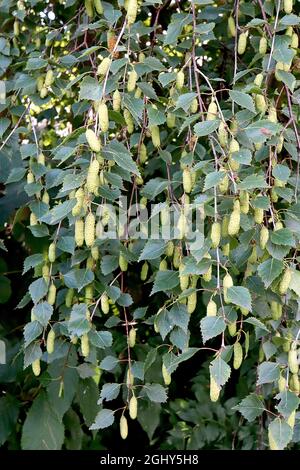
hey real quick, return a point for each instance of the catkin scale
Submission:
(79, 232)
(50, 341)
(89, 229)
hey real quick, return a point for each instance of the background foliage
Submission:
(206, 112)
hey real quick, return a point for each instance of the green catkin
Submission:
(69, 297)
(176, 257)
(169, 249)
(260, 103)
(293, 361)
(244, 202)
(194, 106)
(89, 229)
(263, 45)
(191, 303)
(214, 390)
(52, 252)
(46, 197)
(288, 6)
(103, 118)
(242, 42)
(237, 355)
(92, 180)
(117, 101)
(211, 309)
(163, 265)
(93, 140)
(36, 367)
(95, 252)
(281, 384)
(154, 132)
(231, 26)
(128, 120)
(179, 80)
(171, 120)
(258, 215)
(46, 272)
(212, 111)
(143, 153)
(144, 271)
(132, 79)
(123, 263)
(123, 424)
(49, 78)
(232, 328)
(104, 66)
(89, 294)
(104, 304)
(131, 11)
(85, 345)
(227, 282)
(183, 278)
(285, 281)
(133, 407)
(132, 337)
(258, 79)
(234, 223)
(187, 180)
(223, 134)
(79, 195)
(215, 234)
(79, 232)
(98, 6)
(224, 227)
(89, 8)
(50, 341)
(263, 237)
(166, 376)
(51, 294)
